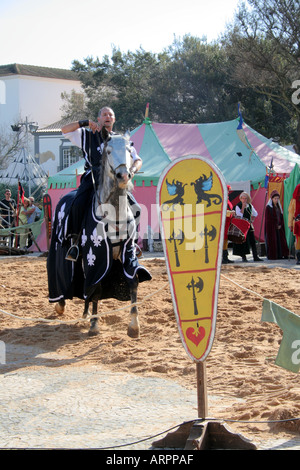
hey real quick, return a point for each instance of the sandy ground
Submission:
(239, 366)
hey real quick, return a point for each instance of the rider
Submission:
(91, 143)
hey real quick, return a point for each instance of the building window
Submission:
(70, 155)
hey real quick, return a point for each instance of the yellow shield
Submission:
(192, 201)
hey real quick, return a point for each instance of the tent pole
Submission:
(264, 208)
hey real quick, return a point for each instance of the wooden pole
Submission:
(46, 218)
(201, 389)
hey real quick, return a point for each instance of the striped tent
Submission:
(242, 154)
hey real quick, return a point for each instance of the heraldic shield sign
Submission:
(192, 202)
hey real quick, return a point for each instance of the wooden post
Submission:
(46, 218)
(201, 389)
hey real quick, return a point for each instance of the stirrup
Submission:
(138, 251)
(72, 253)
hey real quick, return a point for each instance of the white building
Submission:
(33, 94)
(54, 151)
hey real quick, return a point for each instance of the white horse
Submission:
(109, 266)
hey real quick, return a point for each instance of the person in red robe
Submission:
(294, 219)
(276, 245)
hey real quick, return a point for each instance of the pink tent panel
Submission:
(138, 138)
(179, 140)
(281, 165)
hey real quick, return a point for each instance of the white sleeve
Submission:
(238, 211)
(254, 212)
(134, 154)
(74, 137)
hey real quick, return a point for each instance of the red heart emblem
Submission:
(195, 336)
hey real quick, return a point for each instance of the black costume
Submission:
(7, 209)
(91, 145)
(243, 249)
(67, 280)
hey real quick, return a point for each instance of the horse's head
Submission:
(118, 157)
(115, 180)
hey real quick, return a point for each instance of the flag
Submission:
(288, 355)
(266, 181)
(268, 172)
(240, 126)
(21, 191)
(271, 165)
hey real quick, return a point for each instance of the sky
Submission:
(53, 33)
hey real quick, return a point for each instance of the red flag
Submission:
(21, 192)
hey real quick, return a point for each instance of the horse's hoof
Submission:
(133, 332)
(59, 309)
(93, 331)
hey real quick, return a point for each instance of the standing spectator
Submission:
(34, 215)
(276, 245)
(8, 212)
(294, 219)
(35, 211)
(25, 212)
(244, 209)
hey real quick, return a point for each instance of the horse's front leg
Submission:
(60, 306)
(94, 329)
(86, 309)
(134, 326)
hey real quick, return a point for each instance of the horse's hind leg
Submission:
(94, 329)
(60, 306)
(134, 326)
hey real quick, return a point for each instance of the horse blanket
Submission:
(67, 279)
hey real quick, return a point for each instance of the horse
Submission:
(109, 267)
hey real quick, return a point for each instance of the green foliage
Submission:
(263, 47)
(193, 81)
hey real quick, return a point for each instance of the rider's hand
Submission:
(94, 126)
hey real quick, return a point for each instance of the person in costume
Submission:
(294, 219)
(8, 208)
(91, 143)
(276, 245)
(244, 209)
(25, 212)
(229, 214)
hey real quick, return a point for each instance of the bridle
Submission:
(113, 170)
